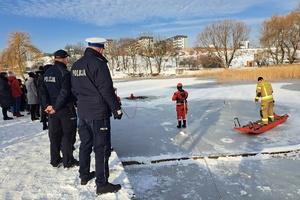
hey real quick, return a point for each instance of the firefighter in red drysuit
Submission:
(264, 91)
(181, 105)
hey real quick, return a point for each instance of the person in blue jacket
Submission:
(96, 102)
(57, 98)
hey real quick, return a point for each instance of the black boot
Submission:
(7, 118)
(4, 112)
(184, 124)
(109, 188)
(45, 126)
(85, 179)
(179, 124)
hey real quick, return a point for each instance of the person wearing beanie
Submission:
(264, 92)
(180, 97)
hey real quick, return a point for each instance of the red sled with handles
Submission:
(256, 128)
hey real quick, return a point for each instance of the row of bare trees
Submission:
(129, 55)
(279, 39)
(132, 56)
(216, 46)
(280, 36)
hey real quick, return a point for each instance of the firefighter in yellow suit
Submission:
(264, 91)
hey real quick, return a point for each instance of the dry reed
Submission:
(270, 73)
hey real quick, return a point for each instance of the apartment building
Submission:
(244, 44)
(145, 41)
(180, 41)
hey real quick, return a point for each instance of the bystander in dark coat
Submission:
(6, 100)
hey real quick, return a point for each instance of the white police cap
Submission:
(96, 42)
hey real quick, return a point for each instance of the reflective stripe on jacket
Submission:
(264, 91)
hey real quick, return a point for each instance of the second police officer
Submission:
(59, 102)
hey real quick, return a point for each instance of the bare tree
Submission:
(19, 51)
(271, 38)
(175, 53)
(281, 36)
(76, 51)
(123, 44)
(223, 38)
(132, 51)
(190, 62)
(160, 50)
(209, 61)
(261, 57)
(291, 35)
(146, 50)
(111, 52)
(7, 61)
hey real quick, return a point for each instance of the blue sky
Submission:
(54, 23)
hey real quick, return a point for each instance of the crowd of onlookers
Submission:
(17, 97)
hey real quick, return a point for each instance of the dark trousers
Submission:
(33, 110)
(4, 112)
(62, 130)
(95, 133)
(23, 102)
(43, 116)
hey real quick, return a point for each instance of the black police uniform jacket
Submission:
(56, 87)
(93, 87)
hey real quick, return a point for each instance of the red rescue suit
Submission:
(181, 104)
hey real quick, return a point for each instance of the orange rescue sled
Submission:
(255, 128)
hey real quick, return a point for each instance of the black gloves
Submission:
(118, 114)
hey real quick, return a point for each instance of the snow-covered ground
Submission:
(206, 160)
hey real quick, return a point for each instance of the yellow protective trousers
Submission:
(266, 111)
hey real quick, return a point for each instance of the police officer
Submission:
(59, 101)
(96, 101)
(264, 91)
(180, 97)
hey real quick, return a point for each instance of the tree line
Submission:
(215, 47)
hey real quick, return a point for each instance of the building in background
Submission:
(179, 41)
(244, 44)
(145, 41)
